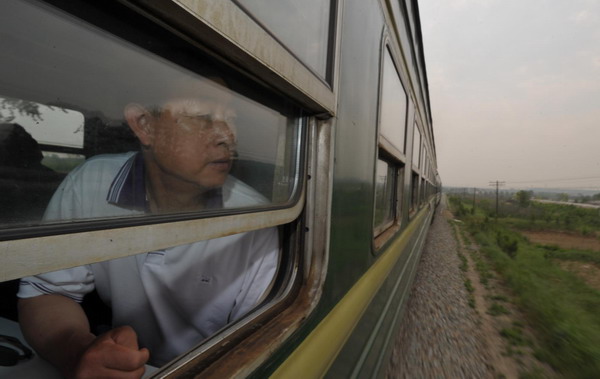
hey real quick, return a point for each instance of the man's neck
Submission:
(166, 194)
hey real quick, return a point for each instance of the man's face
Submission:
(194, 142)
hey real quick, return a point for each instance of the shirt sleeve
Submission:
(74, 282)
(261, 272)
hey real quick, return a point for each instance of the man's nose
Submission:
(223, 134)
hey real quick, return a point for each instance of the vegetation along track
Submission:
(457, 325)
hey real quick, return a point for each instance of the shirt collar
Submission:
(128, 188)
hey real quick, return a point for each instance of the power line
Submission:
(555, 180)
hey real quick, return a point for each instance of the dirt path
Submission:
(508, 337)
(454, 320)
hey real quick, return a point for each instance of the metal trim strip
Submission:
(32, 256)
(316, 353)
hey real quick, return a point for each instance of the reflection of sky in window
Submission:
(54, 126)
(393, 105)
(416, 146)
(303, 26)
(382, 172)
(59, 60)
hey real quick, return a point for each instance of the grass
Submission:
(464, 264)
(572, 254)
(469, 286)
(497, 310)
(499, 298)
(514, 336)
(564, 311)
(484, 270)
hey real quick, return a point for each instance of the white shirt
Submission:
(173, 298)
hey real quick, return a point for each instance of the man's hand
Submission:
(114, 354)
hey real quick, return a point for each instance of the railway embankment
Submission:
(459, 320)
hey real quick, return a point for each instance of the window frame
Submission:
(228, 30)
(391, 167)
(387, 152)
(33, 250)
(416, 154)
(297, 300)
(308, 215)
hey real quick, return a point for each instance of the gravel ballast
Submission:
(439, 335)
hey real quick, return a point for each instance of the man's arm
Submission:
(58, 329)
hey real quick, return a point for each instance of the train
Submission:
(335, 142)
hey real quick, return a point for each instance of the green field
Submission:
(560, 306)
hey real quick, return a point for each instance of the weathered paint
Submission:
(314, 356)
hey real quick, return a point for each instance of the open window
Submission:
(74, 170)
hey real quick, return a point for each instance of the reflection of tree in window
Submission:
(384, 194)
(23, 107)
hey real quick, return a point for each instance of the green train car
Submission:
(324, 113)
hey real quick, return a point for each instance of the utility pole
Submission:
(474, 189)
(498, 184)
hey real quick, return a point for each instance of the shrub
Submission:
(508, 244)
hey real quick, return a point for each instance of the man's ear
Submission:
(139, 120)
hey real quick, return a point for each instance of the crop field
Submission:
(564, 240)
(549, 256)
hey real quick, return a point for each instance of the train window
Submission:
(393, 107)
(385, 195)
(304, 27)
(135, 165)
(414, 202)
(59, 95)
(389, 176)
(416, 156)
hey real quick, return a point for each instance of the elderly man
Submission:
(168, 300)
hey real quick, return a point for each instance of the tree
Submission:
(524, 198)
(10, 107)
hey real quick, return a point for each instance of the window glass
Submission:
(92, 127)
(417, 147)
(384, 194)
(400, 191)
(393, 105)
(302, 26)
(414, 191)
(148, 125)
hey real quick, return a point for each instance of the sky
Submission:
(515, 91)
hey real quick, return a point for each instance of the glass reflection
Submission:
(302, 26)
(393, 105)
(179, 127)
(384, 194)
